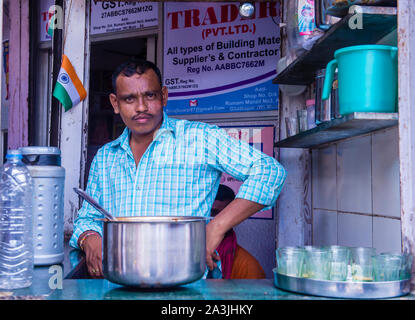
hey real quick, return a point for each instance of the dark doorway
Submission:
(103, 125)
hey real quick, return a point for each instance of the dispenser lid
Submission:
(53, 151)
(41, 156)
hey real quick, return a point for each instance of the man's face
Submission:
(139, 101)
(218, 206)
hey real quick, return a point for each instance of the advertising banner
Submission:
(45, 17)
(115, 16)
(215, 61)
(261, 138)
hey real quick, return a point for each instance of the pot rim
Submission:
(154, 219)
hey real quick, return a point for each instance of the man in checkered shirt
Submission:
(165, 166)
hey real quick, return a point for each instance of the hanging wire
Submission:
(66, 26)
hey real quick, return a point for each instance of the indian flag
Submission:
(68, 89)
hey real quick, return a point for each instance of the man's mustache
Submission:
(142, 116)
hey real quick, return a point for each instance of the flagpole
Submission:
(56, 114)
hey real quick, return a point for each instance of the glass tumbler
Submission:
(317, 263)
(306, 249)
(291, 126)
(339, 262)
(387, 266)
(290, 261)
(302, 120)
(362, 264)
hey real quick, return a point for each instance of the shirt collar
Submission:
(167, 127)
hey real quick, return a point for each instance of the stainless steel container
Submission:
(44, 164)
(323, 19)
(154, 252)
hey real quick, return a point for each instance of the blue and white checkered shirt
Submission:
(178, 175)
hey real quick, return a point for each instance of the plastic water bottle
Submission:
(16, 230)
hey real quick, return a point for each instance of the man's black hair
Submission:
(132, 67)
(225, 193)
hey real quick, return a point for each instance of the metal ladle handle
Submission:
(93, 203)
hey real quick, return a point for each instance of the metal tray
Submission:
(342, 289)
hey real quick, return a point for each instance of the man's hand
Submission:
(234, 213)
(92, 246)
(213, 239)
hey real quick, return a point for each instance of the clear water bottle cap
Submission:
(14, 154)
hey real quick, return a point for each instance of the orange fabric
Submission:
(245, 266)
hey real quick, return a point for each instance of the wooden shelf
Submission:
(348, 126)
(377, 23)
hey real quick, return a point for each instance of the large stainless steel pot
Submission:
(154, 252)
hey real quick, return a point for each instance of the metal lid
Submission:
(39, 150)
(41, 156)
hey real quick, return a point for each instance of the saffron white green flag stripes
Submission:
(68, 89)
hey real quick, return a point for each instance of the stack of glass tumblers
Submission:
(339, 263)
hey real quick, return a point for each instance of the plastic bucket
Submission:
(368, 78)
